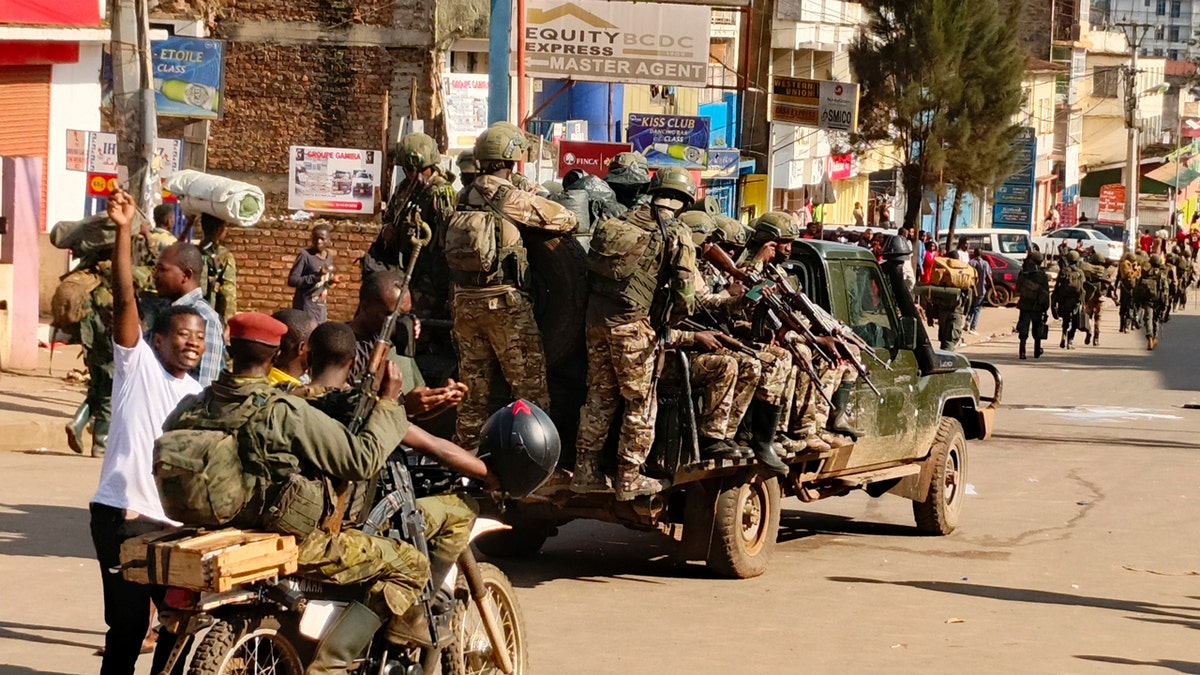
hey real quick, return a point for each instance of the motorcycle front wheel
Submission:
(245, 645)
(471, 653)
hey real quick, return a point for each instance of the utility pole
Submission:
(1136, 32)
(134, 112)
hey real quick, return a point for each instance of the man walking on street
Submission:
(1033, 287)
(1067, 300)
(983, 286)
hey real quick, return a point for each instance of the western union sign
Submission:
(814, 103)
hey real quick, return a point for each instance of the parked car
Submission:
(1004, 279)
(1081, 239)
(1012, 243)
(1110, 230)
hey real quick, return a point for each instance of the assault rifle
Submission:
(379, 356)
(731, 343)
(780, 318)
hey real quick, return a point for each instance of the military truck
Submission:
(726, 512)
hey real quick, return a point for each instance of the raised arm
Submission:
(126, 329)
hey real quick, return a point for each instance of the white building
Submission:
(1170, 25)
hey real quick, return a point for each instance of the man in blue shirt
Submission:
(983, 285)
(177, 280)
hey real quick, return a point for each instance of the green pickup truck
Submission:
(726, 512)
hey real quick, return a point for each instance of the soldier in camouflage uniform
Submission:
(641, 271)
(485, 253)
(219, 282)
(1128, 273)
(1151, 296)
(305, 448)
(1098, 283)
(1066, 301)
(468, 169)
(426, 195)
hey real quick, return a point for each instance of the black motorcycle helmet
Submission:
(521, 447)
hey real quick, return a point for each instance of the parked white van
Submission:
(1012, 243)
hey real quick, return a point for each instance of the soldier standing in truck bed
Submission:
(486, 255)
(641, 271)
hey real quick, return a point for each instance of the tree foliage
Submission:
(941, 79)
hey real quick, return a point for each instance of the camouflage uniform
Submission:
(1129, 271)
(219, 284)
(621, 347)
(1098, 284)
(1151, 297)
(433, 204)
(493, 321)
(448, 517)
(297, 438)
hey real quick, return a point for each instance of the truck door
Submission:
(887, 417)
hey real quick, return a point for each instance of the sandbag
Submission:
(230, 200)
(952, 273)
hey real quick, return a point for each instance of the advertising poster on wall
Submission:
(466, 108)
(96, 153)
(670, 140)
(189, 74)
(333, 180)
(590, 157)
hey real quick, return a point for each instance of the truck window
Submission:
(866, 300)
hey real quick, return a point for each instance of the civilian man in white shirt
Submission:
(149, 380)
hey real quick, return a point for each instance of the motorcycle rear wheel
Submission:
(245, 645)
(471, 651)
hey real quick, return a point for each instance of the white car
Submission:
(1081, 239)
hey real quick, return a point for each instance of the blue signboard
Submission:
(670, 140)
(189, 74)
(1013, 205)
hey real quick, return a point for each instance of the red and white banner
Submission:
(591, 157)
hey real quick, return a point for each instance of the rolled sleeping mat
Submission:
(230, 200)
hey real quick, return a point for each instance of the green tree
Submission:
(937, 82)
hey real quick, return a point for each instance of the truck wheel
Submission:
(521, 541)
(999, 296)
(745, 526)
(938, 514)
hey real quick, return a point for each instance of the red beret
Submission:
(258, 327)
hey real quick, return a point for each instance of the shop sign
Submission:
(670, 140)
(590, 157)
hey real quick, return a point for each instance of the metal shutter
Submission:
(25, 117)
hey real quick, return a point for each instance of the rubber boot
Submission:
(631, 484)
(410, 629)
(75, 427)
(99, 444)
(766, 418)
(1021, 352)
(587, 476)
(717, 448)
(345, 640)
(839, 420)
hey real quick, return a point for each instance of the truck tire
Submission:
(1000, 296)
(938, 514)
(558, 285)
(523, 540)
(745, 526)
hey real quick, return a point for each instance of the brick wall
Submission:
(265, 254)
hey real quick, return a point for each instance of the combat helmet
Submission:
(628, 168)
(674, 182)
(1157, 260)
(774, 226)
(466, 162)
(730, 231)
(700, 223)
(501, 142)
(1073, 257)
(417, 152)
(1099, 259)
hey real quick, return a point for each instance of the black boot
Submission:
(1022, 350)
(345, 641)
(839, 419)
(766, 418)
(1037, 349)
(76, 426)
(717, 448)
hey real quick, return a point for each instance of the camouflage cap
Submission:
(628, 168)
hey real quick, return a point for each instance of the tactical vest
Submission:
(483, 246)
(625, 259)
(1069, 287)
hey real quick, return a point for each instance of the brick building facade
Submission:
(329, 73)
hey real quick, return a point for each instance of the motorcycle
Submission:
(475, 625)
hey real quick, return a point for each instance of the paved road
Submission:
(1075, 554)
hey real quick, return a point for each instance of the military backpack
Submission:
(1150, 288)
(201, 471)
(625, 258)
(1069, 287)
(73, 298)
(474, 248)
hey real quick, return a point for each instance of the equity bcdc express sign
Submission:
(623, 42)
